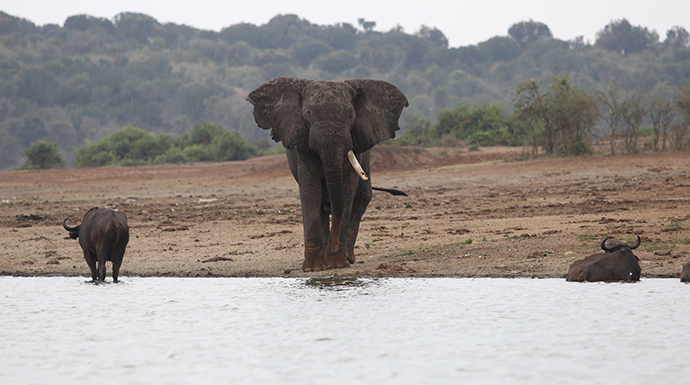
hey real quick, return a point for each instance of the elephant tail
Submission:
(389, 190)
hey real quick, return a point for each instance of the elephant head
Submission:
(330, 118)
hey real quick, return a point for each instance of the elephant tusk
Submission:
(355, 164)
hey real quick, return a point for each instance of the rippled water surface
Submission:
(330, 331)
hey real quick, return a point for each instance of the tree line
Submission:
(132, 146)
(561, 119)
(557, 119)
(92, 76)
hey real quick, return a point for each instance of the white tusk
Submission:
(355, 164)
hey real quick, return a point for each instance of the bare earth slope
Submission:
(471, 214)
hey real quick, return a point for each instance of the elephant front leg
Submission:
(335, 253)
(313, 257)
(359, 206)
(315, 233)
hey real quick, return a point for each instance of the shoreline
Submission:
(468, 215)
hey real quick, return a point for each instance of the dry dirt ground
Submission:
(470, 214)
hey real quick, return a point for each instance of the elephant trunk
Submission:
(334, 184)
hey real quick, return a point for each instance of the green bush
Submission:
(42, 155)
(483, 125)
(172, 155)
(230, 145)
(198, 153)
(131, 146)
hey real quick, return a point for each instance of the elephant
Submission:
(103, 236)
(328, 129)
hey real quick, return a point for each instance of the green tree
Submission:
(204, 133)
(342, 36)
(126, 147)
(304, 52)
(36, 85)
(611, 100)
(89, 23)
(561, 119)
(230, 145)
(42, 155)
(622, 37)
(191, 97)
(527, 32)
(368, 26)
(682, 102)
(677, 37)
(502, 48)
(137, 26)
(662, 115)
(480, 126)
(633, 110)
(432, 35)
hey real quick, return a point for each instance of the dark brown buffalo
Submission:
(685, 274)
(103, 235)
(617, 263)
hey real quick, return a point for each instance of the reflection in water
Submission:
(60, 330)
(335, 283)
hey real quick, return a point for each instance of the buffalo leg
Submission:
(91, 261)
(116, 268)
(103, 254)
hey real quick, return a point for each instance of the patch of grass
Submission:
(468, 241)
(631, 239)
(676, 224)
(684, 240)
(586, 237)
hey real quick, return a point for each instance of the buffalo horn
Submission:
(355, 164)
(637, 244)
(68, 228)
(603, 243)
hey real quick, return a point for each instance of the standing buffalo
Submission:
(617, 263)
(685, 274)
(103, 235)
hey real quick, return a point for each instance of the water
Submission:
(342, 331)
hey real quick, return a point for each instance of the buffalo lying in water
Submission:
(617, 263)
(103, 235)
(685, 273)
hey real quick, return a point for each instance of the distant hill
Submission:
(93, 76)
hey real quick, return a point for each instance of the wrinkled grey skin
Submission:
(318, 122)
(103, 236)
(617, 263)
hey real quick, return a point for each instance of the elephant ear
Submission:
(378, 106)
(278, 105)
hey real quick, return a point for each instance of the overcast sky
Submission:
(463, 22)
